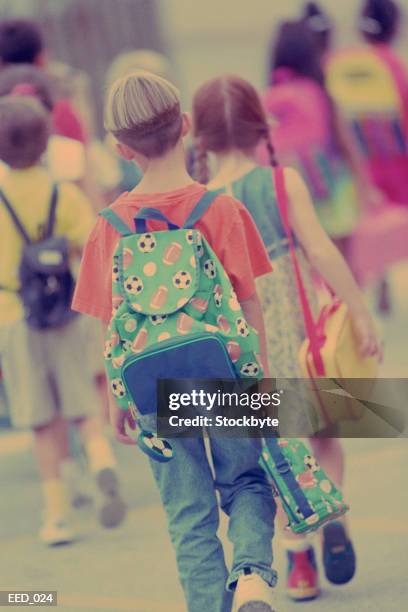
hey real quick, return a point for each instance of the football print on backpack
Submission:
(172, 253)
(157, 319)
(107, 353)
(209, 268)
(250, 369)
(182, 279)
(306, 479)
(115, 273)
(242, 327)
(146, 243)
(233, 302)
(117, 301)
(311, 463)
(218, 296)
(118, 388)
(127, 257)
(133, 285)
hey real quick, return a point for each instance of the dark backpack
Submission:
(46, 281)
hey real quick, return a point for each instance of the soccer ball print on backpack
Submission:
(309, 498)
(175, 315)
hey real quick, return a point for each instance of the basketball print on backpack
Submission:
(187, 321)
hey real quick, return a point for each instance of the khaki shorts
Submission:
(50, 372)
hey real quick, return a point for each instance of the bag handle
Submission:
(52, 211)
(19, 226)
(285, 470)
(154, 214)
(314, 342)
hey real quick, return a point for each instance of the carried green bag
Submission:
(309, 498)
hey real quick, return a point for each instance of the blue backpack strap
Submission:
(200, 209)
(285, 470)
(115, 221)
(154, 214)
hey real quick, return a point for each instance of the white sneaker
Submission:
(56, 531)
(253, 594)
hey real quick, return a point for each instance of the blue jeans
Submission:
(188, 491)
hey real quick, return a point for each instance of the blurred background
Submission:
(201, 40)
(133, 567)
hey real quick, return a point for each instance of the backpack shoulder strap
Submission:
(115, 221)
(200, 209)
(52, 211)
(145, 214)
(19, 226)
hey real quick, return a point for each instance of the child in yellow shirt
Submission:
(46, 372)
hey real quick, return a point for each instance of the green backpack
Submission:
(309, 498)
(175, 314)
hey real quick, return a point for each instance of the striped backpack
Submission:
(175, 315)
(367, 93)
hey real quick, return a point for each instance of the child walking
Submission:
(309, 134)
(44, 371)
(143, 113)
(379, 124)
(230, 122)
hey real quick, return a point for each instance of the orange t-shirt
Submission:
(227, 225)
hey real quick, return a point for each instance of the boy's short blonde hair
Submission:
(24, 131)
(143, 111)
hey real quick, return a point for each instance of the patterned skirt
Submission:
(285, 330)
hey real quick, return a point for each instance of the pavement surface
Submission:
(133, 567)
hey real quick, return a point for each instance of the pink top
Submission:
(227, 225)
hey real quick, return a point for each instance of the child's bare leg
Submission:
(111, 507)
(339, 558)
(62, 438)
(46, 449)
(96, 444)
(71, 466)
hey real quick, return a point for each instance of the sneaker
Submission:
(252, 594)
(339, 558)
(302, 581)
(111, 506)
(55, 532)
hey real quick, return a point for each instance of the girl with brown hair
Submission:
(230, 122)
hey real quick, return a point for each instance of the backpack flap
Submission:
(159, 271)
(49, 256)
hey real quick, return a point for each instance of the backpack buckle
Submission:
(283, 467)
